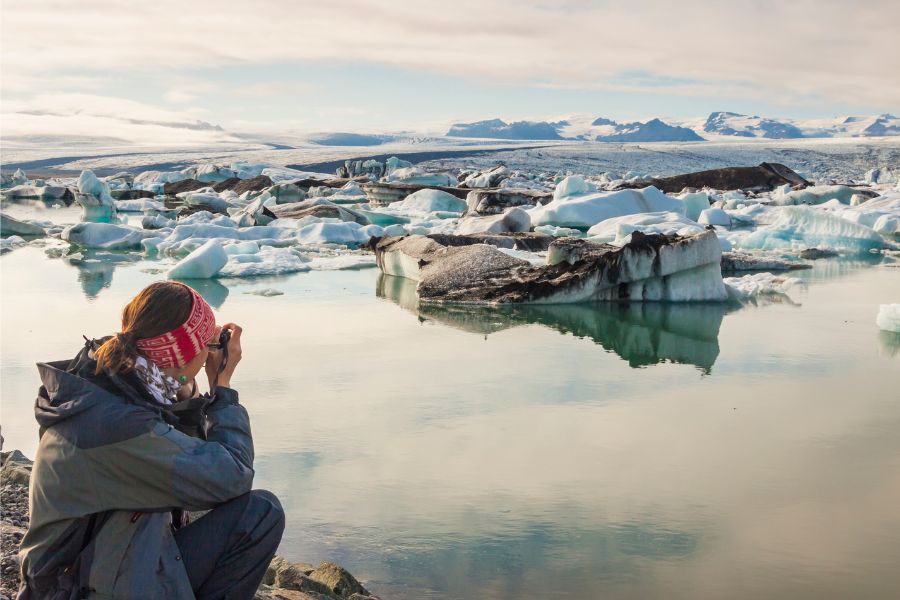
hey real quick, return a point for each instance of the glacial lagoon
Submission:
(658, 450)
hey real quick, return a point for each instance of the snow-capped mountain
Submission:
(653, 130)
(501, 130)
(729, 123)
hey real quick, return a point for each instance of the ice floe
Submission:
(798, 227)
(888, 318)
(584, 210)
(759, 284)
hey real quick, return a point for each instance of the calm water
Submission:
(576, 452)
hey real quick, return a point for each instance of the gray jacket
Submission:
(110, 468)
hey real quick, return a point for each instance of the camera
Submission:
(224, 336)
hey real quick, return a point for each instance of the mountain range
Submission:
(717, 125)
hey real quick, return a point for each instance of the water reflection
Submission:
(641, 333)
(889, 342)
(96, 268)
(212, 291)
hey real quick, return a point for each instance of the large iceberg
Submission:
(799, 227)
(203, 263)
(582, 211)
(648, 268)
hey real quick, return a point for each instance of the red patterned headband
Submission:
(178, 347)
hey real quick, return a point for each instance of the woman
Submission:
(116, 467)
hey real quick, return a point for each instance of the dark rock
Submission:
(765, 177)
(131, 194)
(239, 186)
(185, 185)
(816, 253)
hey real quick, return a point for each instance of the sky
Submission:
(98, 67)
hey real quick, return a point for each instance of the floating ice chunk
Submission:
(514, 220)
(426, 201)
(881, 214)
(268, 261)
(250, 247)
(42, 192)
(90, 185)
(694, 204)
(395, 230)
(265, 292)
(394, 163)
(156, 222)
(416, 176)
(106, 236)
(206, 217)
(816, 195)
(203, 263)
(139, 205)
(7, 244)
(10, 225)
(20, 178)
(254, 213)
(205, 197)
(758, 284)
(337, 233)
(573, 185)
(148, 180)
(210, 173)
(618, 230)
(888, 318)
(586, 210)
(799, 226)
(555, 231)
(714, 216)
(342, 261)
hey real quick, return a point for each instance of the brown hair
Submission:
(160, 307)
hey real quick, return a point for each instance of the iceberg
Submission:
(13, 226)
(617, 230)
(106, 235)
(515, 220)
(759, 284)
(888, 318)
(7, 244)
(266, 261)
(799, 227)
(714, 216)
(694, 204)
(816, 195)
(428, 201)
(586, 210)
(203, 263)
(648, 268)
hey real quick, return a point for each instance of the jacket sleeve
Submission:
(164, 468)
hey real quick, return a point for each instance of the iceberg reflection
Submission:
(643, 334)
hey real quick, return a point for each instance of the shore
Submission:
(283, 580)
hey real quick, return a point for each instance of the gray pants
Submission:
(227, 550)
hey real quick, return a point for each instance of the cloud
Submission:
(787, 52)
(178, 97)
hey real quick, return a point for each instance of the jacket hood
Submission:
(66, 391)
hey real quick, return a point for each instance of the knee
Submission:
(268, 506)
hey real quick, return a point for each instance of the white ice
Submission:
(203, 263)
(758, 284)
(428, 201)
(888, 318)
(800, 227)
(106, 235)
(714, 216)
(694, 204)
(618, 230)
(514, 220)
(585, 210)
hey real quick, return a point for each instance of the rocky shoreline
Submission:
(283, 580)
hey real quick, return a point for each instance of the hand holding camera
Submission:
(224, 356)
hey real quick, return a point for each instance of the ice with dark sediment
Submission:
(647, 268)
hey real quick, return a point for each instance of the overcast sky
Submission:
(267, 65)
